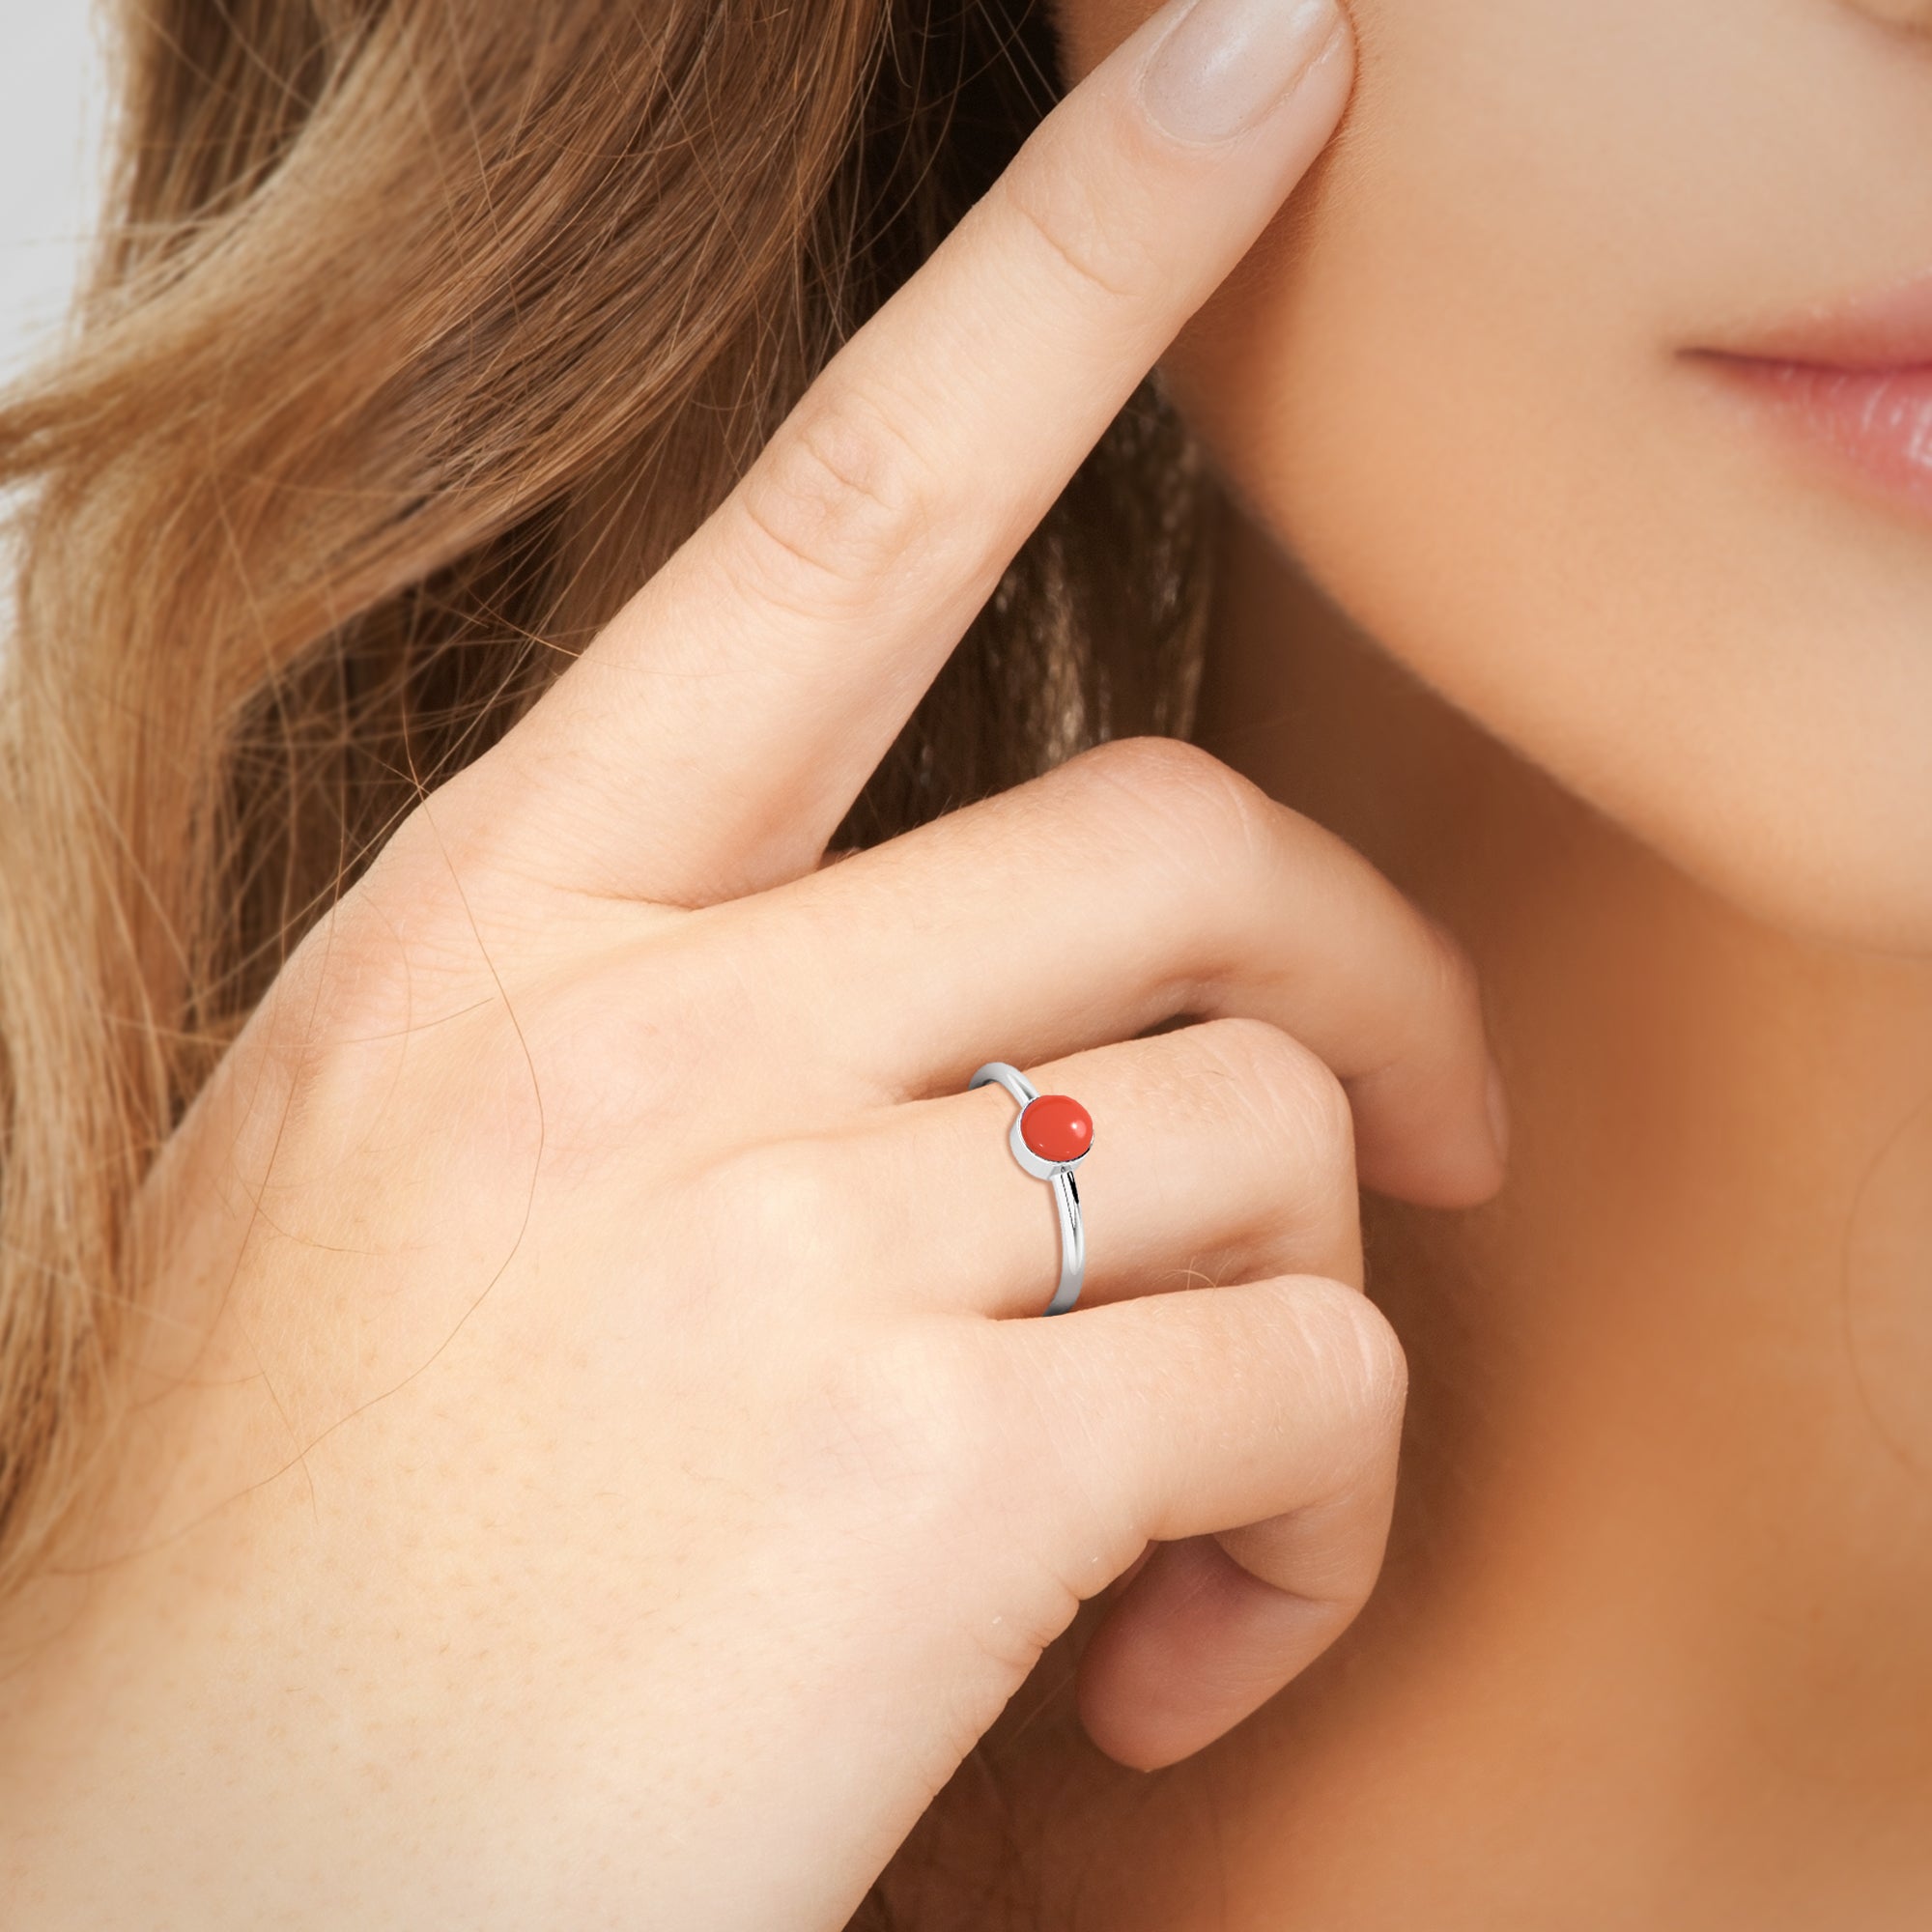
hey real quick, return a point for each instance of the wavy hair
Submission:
(421, 332)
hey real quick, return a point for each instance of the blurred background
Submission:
(52, 124)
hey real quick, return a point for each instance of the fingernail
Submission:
(1228, 62)
(1499, 1113)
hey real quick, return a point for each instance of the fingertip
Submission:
(1445, 1155)
(1448, 1180)
(1193, 1647)
(1224, 66)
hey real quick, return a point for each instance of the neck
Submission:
(1652, 1631)
(1674, 1389)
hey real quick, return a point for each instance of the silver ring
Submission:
(1058, 1140)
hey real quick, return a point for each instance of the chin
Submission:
(1867, 893)
(1624, 447)
(1729, 660)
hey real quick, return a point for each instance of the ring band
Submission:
(1051, 1135)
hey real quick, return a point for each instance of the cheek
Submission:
(1449, 381)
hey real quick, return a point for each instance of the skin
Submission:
(1636, 698)
(562, 1501)
(1468, 352)
(555, 1462)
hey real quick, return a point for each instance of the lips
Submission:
(1875, 422)
(1852, 381)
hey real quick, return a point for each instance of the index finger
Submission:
(711, 738)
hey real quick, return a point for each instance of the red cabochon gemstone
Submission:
(1057, 1128)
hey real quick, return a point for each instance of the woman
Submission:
(524, 1396)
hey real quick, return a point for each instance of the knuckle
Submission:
(642, 1042)
(837, 498)
(908, 1419)
(1289, 1094)
(781, 1211)
(1357, 1361)
(1175, 795)
(354, 975)
(1079, 232)
(913, 1440)
(1154, 766)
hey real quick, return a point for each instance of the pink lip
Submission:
(1876, 421)
(1854, 381)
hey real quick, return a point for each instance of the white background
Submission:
(52, 124)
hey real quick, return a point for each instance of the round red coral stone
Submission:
(1056, 1127)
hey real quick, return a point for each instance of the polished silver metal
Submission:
(1058, 1174)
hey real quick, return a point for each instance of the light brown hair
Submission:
(423, 330)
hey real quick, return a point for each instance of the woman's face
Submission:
(1467, 379)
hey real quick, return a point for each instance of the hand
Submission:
(600, 1483)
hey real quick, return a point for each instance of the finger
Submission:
(1139, 881)
(1197, 1642)
(1266, 1417)
(1226, 1155)
(715, 733)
